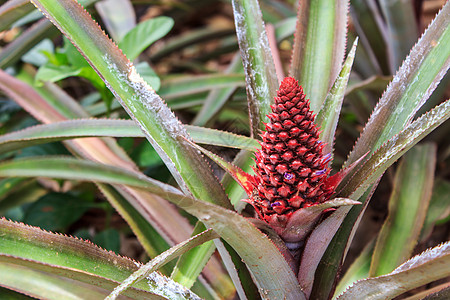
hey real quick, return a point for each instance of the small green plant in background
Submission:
(294, 240)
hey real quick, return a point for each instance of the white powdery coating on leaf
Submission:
(407, 70)
(132, 83)
(257, 91)
(392, 149)
(424, 257)
(123, 78)
(151, 100)
(169, 288)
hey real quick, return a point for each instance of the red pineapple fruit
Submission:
(291, 188)
(291, 171)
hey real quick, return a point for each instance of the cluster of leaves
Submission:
(47, 265)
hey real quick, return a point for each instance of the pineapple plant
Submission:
(306, 217)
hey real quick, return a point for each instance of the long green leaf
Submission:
(413, 84)
(187, 85)
(51, 282)
(319, 46)
(217, 97)
(393, 149)
(31, 243)
(407, 210)
(260, 75)
(162, 259)
(402, 29)
(328, 116)
(72, 129)
(168, 223)
(156, 120)
(273, 275)
(431, 265)
(365, 177)
(171, 125)
(54, 105)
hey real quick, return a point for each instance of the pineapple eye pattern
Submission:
(291, 170)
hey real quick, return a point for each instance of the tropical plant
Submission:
(292, 239)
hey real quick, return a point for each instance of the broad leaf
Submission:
(143, 35)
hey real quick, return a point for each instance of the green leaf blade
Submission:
(162, 259)
(417, 78)
(319, 47)
(328, 117)
(143, 35)
(72, 129)
(424, 268)
(272, 273)
(407, 210)
(393, 149)
(261, 79)
(159, 124)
